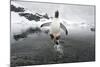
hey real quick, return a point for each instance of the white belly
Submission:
(55, 27)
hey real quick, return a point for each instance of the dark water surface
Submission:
(79, 46)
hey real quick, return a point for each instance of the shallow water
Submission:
(78, 46)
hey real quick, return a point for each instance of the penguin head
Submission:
(57, 14)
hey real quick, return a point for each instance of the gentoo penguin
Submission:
(55, 26)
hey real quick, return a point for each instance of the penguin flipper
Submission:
(45, 24)
(64, 28)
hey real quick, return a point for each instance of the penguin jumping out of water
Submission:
(54, 30)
